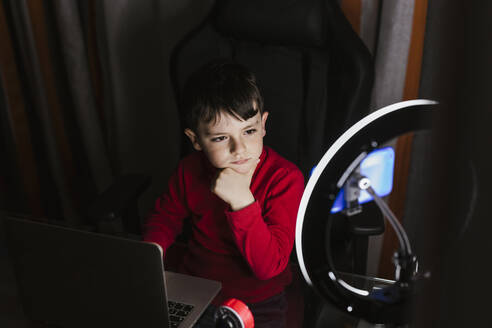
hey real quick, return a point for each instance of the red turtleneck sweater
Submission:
(247, 250)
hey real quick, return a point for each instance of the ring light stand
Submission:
(337, 169)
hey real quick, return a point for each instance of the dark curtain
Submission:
(85, 97)
(450, 209)
(55, 139)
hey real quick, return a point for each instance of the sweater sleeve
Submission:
(266, 239)
(165, 221)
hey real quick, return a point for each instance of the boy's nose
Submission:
(238, 147)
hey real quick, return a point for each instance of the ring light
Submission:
(378, 300)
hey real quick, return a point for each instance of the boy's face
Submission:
(229, 142)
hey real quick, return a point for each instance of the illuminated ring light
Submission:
(326, 180)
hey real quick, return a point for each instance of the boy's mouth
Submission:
(241, 161)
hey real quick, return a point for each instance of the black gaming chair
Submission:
(316, 77)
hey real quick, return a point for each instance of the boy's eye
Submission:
(218, 139)
(250, 131)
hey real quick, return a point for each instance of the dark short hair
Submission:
(220, 86)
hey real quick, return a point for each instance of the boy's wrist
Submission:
(240, 204)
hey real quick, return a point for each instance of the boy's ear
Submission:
(193, 138)
(264, 117)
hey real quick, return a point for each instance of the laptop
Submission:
(74, 278)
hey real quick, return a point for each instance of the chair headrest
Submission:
(281, 22)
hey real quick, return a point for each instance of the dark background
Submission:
(452, 219)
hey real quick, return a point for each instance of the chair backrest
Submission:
(314, 71)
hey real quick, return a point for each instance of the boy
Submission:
(242, 197)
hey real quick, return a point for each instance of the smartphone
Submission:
(378, 166)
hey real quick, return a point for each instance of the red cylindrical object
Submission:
(238, 311)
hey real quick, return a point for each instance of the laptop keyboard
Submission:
(177, 312)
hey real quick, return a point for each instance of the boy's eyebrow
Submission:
(208, 133)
